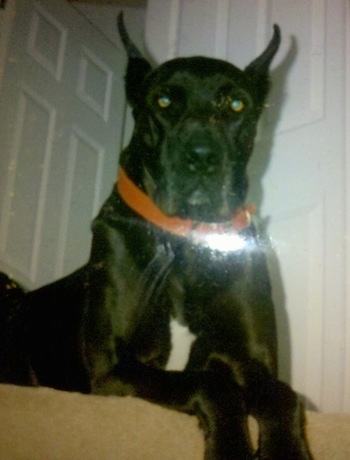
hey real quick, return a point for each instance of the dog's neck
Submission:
(198, 232)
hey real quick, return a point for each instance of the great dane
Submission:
(174, 242)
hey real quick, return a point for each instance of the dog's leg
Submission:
(215, 399)
(279, 413)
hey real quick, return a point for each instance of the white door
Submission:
(300, 167)
(61, 118)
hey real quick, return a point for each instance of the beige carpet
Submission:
(44, 424)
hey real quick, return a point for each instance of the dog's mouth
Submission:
(198, 204)
(201, 199)
(198, 198)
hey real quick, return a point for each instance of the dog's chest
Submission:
(181, 342)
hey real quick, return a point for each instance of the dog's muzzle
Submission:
(202, 156)
(197, 178)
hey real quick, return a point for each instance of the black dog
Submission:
(173, 241)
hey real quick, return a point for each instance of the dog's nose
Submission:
(202, 158)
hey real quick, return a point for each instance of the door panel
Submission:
(61, 117)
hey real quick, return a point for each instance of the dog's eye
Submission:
(237, 105)
(164, 102)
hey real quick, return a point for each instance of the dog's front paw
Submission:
(283, 446)
(118, 381)
(292, 452)
(112, 386)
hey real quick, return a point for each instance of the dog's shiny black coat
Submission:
(105, 328)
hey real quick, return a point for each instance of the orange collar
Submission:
(139, 202)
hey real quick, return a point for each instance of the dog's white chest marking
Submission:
(181, 342)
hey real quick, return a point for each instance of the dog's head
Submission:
(195, 123)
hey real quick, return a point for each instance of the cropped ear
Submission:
(258, 70)
(261, 63)
(138, 66)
